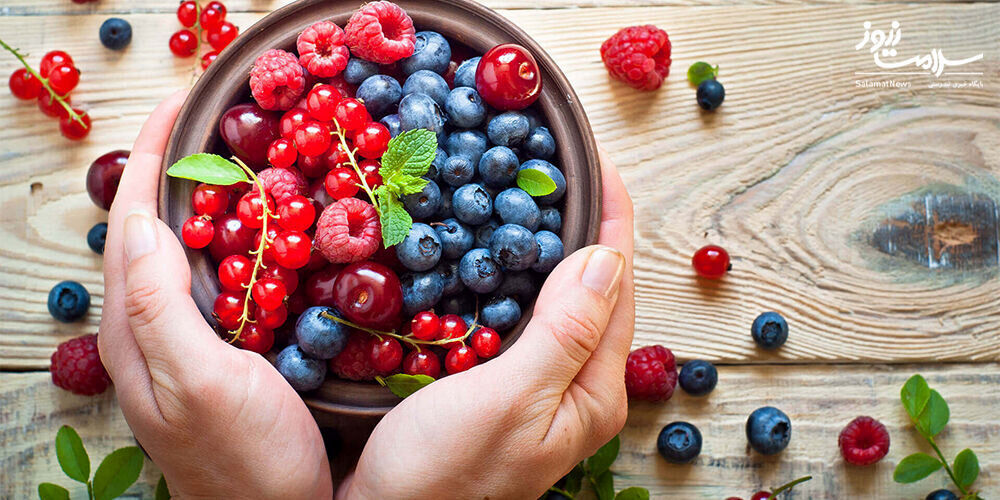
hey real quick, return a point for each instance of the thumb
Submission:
(570, 315)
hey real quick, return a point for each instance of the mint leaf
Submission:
(71, 454)
(701, 71)
(208, 168)
(162, 492)
(117, 472)
(966, 468)
(535, 182)
(409, 153)
(604, 485)
(914, 396)
(49, 491)
(574, 480)
(915, 467)
(404, 385)
(404, 184)
(605, 456)
(935, 415)
(633, 493)
(396, 222)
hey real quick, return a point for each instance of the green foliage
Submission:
(404, 385)
(701, 71)
(116, 473)
(208, 168)
(535, 182)
(597, 472)
(71, 454)
(407, 159)
(915, 467)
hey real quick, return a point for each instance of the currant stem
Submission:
(561, 492)
(45, 82)
(788, 486)
(341, 134)
(258, 252)
(415, 342)
(947, 468)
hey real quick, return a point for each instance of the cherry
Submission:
(281, 153)
(256, 338)
(508, 78)
(24, 85)
(351, 115)
(187, 13)
(336, 156)
(312, 166)
(250, 209)
(486, 342)
(342, 182)
(312, 138)
(291, 249)
(248, 130)
(208, 199)
(291, 121)
(317, 191)
(197, 232)
(231, 238)
(387, 257)
(73, 128)
(320, 286)
(371, 140)
(268, 293)
(711, 262)
(211, 18)
(322, 102)
(51, 107)
(761, 495)
(386, 354)
(297, 303)
(221, 36)
(425, 325)
(422, 363)
(228, 309)
(183, 43)
(369, 294)
(208, 58)
(369, 168)
(267, 257)
(235, 272)
(103, 177)
(64, 78)
(271, 319)
(51, 60)
(296, 213)
(459, 359)
(287, 276)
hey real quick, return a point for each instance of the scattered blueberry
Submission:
(710, 94)
(320, 337)
(769, 330)
(550, 252)
(358, 70)
(479, 271)
(508, 129)
(391, 122)
(472, 204)
(425, 203)
(768, 430)
(116, 33)
(431, 51)
(941, 494)
(420, 111)
(551, 220)
(679, 442)
(554, 174)
(420, 291)
(698, 377)
(96, 237)
(514, 247)
(429, 83)
(539, 144)
(485, 232)
(456, 238)
(458, 170)
(516, 206)
(465, 75)
(498, 167)
(380, 94)
(520, 285)
(302, 372)
(68, 301)
(465, 108)
(500, 313)
(471, 143)
(421, 249)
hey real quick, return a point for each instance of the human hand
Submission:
(219, 421)
(510, 428)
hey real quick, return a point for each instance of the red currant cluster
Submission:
(209, 24)
(51, 85)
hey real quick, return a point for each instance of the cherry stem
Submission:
(341, 134)
(258, 252)
(45, 82)
(409, 339)
(789, 486)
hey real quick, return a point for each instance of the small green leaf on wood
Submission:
(117, 472)
(404, 385)
(915, 467)
(935, 415)
(605, 456)
(535, 182)
(71, 454)
(633, 493)
(162, 491)
(574, 480)
(966, 468)
(409, 153)
(701, 71)
(208, 168)
(49, 491)
(914, 396)
(604, 485)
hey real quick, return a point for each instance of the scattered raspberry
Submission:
(353, 362)
(638, 56)
(650, 373)
(864, 441)
(381, 32)
(277, 80)
(322, 50)
(348, 230)
(76, 367)
(281, 183)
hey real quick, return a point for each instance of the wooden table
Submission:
(867, 216)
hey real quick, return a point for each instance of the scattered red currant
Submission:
(51, 60)
(197, 232)
(63, 78)
(425, 325)
(221, 36)
(459, 359)
(212, 16)
(75, 128)
(24, 85)
(187, 13)
(342, 182)
(183, 43)
(51, 107)
(208, 58)
(711, 262)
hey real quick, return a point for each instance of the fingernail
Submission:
(604, 271)
(140, 234)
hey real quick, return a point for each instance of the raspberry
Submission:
(381, 32)
(277, 80)
(650, 373)
(282, 183)
(638, 56)
(322, 50)
(348, 230)
(76, 367)
(353, 362)
(864, 441)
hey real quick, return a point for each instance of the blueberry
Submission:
(550, 252)
(444, 209)
(458, 170)
(679, 442)
(465, 108)
(391, 122)
(768, 430)
(465, 75)
(534, 120)
(420, 111)
(516, 206)
(941, 494)
(508, 129)
(68, 301)
(302, 372)
(429, 83)
(318, 336)
(698, 377)
(421, 291)
(498, 167)
(470, 319)
(456, 238)
(554, 174)
(539, 144)
(358, 70)
(500, 313)
(769, 330)
(520, 285)
(458, 304)
(551, 219)
(448, 271)
(479, 271)
(421, 249)
(485, 232)
(431, 51)
(434, 173)
(710, 94)
(471, 143)
(472, 204)
(116, 33)
(380, 93)
(425, 203)
(96, 237)
(513, 247)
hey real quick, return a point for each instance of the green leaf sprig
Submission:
(405, 162)
(116, 473)
(929, 413)
(701, 71)
(597, 472)
(535, 182)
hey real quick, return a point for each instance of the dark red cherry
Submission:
(248, 130)
(319, 286)
(507, 77)
(369, 294)
(231, 237)
(104, 175)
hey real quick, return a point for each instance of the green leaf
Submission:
(574, 480)
(633, 493)
(935, 415)
(535, 182)
(914, 396)
(409, 153)
(604, 485)
(162, 492)
(71, 454)
(701, 71)
(605, 456)
(966, 468)
(396, 222)
(49, 491)
(208, 168)
(117, 472)
(403, 385)
(915, 467)
(403, 184)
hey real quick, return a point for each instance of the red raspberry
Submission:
(282, 183)
(322, 50)
(353, 362)
(864, 441)
(650, 373)
(277, 80)
(348, 230)
(381, 32)
(638, 56)
(76, 367)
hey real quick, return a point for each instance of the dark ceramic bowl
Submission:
(226, 83)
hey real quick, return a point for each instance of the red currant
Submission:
(51, 106)
(422, 363)
(336, 156)
(235, 272)
(342, 182)
(312, 166)
(508, 78)
(312, 138)
(319, 286)
(221, 36)
(425, 325)
(452, 327)
(187, 13)
(386, 354)
(711, 262)
(292, 248)
(369, 168)
(211, 17)
(296, 213)
(250, 209)
(197, 232)
(24, 85)
(256, 338)
(486, 342)
(322, 102)
(271, 319)
(231, 238)
(208, 199)
(183, 43)
(72, 128)
(291, 121)
(281, 153)
(459, 359)
(761, 495)
(268, 293)
(351, 114)
(208, 58)
(267, 257)
(228, 309)
(51, 60)
(371, 140)
(64, 78)
(287, 276)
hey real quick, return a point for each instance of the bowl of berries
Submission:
(373, 195)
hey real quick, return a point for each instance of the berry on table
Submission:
(212, 15)
(318, 335)
(369, 294)
(698, 377)
(864, 441)
(51, 106)
(97, 236)
(711, 262)
(197, 231)
(221, 36)
(769, 330)
(460, 359)
(321, 49)
(104, 175)
(507, 77)
(187, 13)
(761, 495)
(52, 59)
(302, 372)
(679, 442)
(24, 85)
(64, 78)
(768, 430)
(183, 43)
(639, 56)
(75, 128)
(710, 94)
(941, 494)
(650, 374)
(76, 367)
(381, 32)
(277, 81)
(208, 58)
(68, 301)
(348, 230)
(116, 33)
(422, 363)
